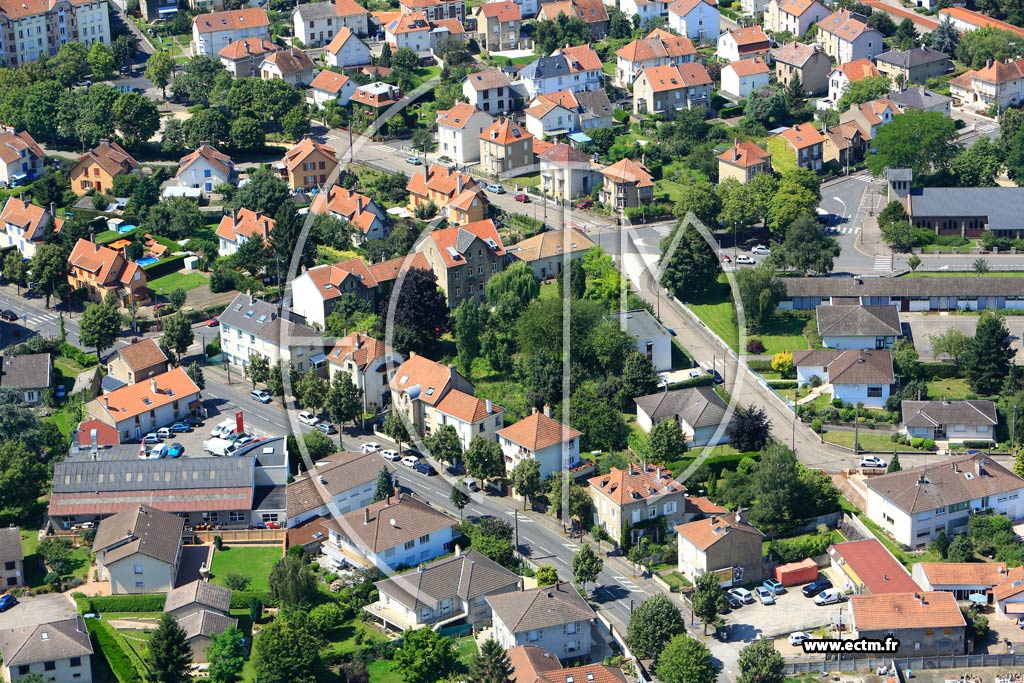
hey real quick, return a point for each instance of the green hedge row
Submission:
(148, 602)
(932, 371)
(760, 365)
(796, 549)
(86, 360)
(104, 640)
(785, 384)
(242, 599)
(165, 267)
(704, 380)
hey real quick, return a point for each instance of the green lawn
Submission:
(253, 561)
(834, 537)
(869, 441)
(34, 572)
(549, 291)
(784, 333)
(783, 158)
(185, 279)
(952, 389)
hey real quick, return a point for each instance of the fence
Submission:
(270, 536)
(460, 631)
(869, 664)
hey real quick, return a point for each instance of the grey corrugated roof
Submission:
(45, 642)
(915, 56)
(858, 321)
(467, 576)
(546, 67)
(31, 371)
(86, 476)
(1000, 206)
(918, 98)
(10, 544)
(966, 287)
(935, 413)
(200, 593)
(540, 608)
(697, 406)
(205, 623)
(640, 323)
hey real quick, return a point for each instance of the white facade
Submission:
(321, 97)
(551, 458)
(778, 20)
(867, 45)
(343, 502)
(575, 82)
(353, 52)
(202, 174)
(409, 554)
(567, 641)
(462, 142)
(238, 345)
(495, 100)
(702, 22)
(315, 28)
(742, 86)
(871, 395)
(307, 300)
(211, 42)
(558, 118)
(566, 181)
(860, 342)
(837, 83)
(648, 10)
(43, 29)
(372, 381)
(753, 7)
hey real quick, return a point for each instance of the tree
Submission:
(296, 122)
(953, 344)
(292, 583)
(490, 665)
(586, 566)
(980, 266)
(470, 322)
(782, 363)
(577, 276)
(175, 218)
(638, 375)
(687, 660)
(864, 90)
(178, 335)
(289, 650)
(914, 262)
(778, 485)
(988, 358)
(945, 38)
(421, 312)
(444, 445)
(50, 268)
(15, 269)
(125, 48)
(405, 58)
(460, 499)
(791, 202)
(977, 165)
(246, 134)
(101, 61)
(265, 192)
(385, 485)
(168, 653)
(760, 662)
(653, 623)
(960, 550)
(940, 545)
(344, 398)
(740, 204)
(922, 141)
(312, 391)
(760, 293)
(70, 65)
(226, 654)
(700, 199)
(989, 43)
(766, 105)
(159, 67)
(394, 427)
(883, 23)
(206, 125)
(425, 656)
(749, 429)
(546, 575)
(385, 56)
(56, 554)
(600, 421)
(526, 479)
(484, 459)
(257, 370)
(807, 249)
(318, 445)
(195, 373)
(136, 117)
(518, 281)
(894, 464)
(666, 442)
(707, 598)
(99, 326)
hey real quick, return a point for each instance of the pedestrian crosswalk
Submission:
(883, 263)
(628, 585)
(842, 230)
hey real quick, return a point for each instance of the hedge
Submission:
(795, 549)
(704, 380)
(148, 602)
(932, 371)
(760, 365)
(86, 360)
(104, 640)
(242, 599)
(165, 267)
(784, 384)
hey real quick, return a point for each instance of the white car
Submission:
(743, 595)
(164, 432)
(872, 461)
(796, 638)
(766, 596)
(308, 418)
(410, 461)
(151, 438)
(761, 250)
(389, 454)
(745, 260)
(371, 447)
(829, 597)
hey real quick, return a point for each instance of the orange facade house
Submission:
(458, 197)
(100, 271)
(307, 164)
(98, 167)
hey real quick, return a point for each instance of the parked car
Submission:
(151, 438)
(872, 461)
(585, 204)
(734, 602)
(829, 596)
(7, 602)
(390, 454)
(176, 450)
(745, 260)
(213, 322)
(222, 429)
(194, 421)
(743, 595)
(823, 215)
(761, 250)
(415, 161)
(800, 636)
(261, 396)
(325, 427)
(164, 432)
(371, 447)
(9, 315)
(425, 469)
(765, 595)
(496, 188)
(471, 484)
(726, 258)
(774, 586)
(522, 198)
(410, 461)
(242, 439)
(181, 427)
(815, 587)
(308, 418)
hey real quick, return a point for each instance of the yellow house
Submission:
(99, 166)
(308, 164)
(100, 270)
(457, 196)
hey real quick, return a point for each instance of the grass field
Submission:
(252, 561)
(952, 389)
(181, 280)
(784, 333)
(783, 158)
(869, 441)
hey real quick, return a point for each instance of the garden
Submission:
(244, 567)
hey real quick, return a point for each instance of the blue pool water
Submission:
(148, 261)
(127, 228)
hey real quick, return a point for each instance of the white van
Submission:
(223, 429)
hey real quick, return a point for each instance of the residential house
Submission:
(11, 559)
(858, 327)
(432, 395)
(950, 421)
(458, 132)
(964, 20)
(844, 143)
(653, 340)
(853, 376)
(921, 99)
(97, 168)
(695, 19)
(663, 90)
(796, 17)
(101, 271)
(909, 294)
(399, 531)
(458, 197)
(464, 258)
(998, 84)
(869, 116)
(844, 74)
(197, 596)
(92, 434)
(591, 12)
(153, 10)
(627, 184)
(200, 627)
(205, 168)
(627, 502)
(575, 69)
(448, 591)
(137, 409)
(49, 25)
(292, 66)
(28, 375)
(366, 216)
(138, 550)
(137, 362)
(317, 23)
(330, 86)
(753, 7)
(962, 579)
(377, 96)
(925, 623)
(915, 65)
(556, 618)
(867, 568)
(241, 225)
(22, 157)
(542, 438)
(367, 362)
(658, 48)
(252, 327)
(741, 78)
(213, 32)
(743, 43)
(59, 651)
(411, 31)
(490, 91)
(532, 664)
(806, 143)
(846, 36)
(547, 251)
(1008, 594)
(914, 505)
(723, 543)
(506, 148)
(26, 225)
(567, 173)
(308, 164)
(347, 49)
(809, 63)
(435, 10)
(243, 58)
(498, 25)
(742, 161)
(568, 114)
(341, 483)
(700, 412)
(647, 10)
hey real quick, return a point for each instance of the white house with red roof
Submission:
(205, 169)
(213, 32)
(243, 58)
(317, 23)
(26, 225)
(540, 437)
(347, 49)
(795, 16)
(292, 66)
(743, 43)
(844, 74)
(696, 19)
(633, 497)
(846, 36)
(367, 361)
(658, 48)
(20, 156)
(458, 132)
(741, 78)
(999, 84)
(137, 409)
(464, 258)
(361, 212)
(330, 86)
(241, 225)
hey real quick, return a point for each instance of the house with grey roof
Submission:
(340, 484)
(556, 618)
(698, 410)
(250, 326)
(197, 596)
(449, 591)
(950, 421)
(139, 550)
(851, 376)
(200, 627)
(29, 374)
(915, 65)
(858, 327)
(921, 99)
(12, 570)
(653, 339)
(59, 651)
(907, 294)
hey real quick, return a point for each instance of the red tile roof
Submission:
(895, 611)
(502, 11)
(705, 533)
(803, 135)
(466, 407)
(231, 20)
(447, 240)
(135, 399)
(106, 435)
(749, 67)
(980, 20)
(538, 431)
(859, 69)
(221, 162)
(13, 144)
(298, 154)
(240, 49)
(329, 82)
(636, 483)
(245, 223)
(627, 171)
(504, 132)
(876, 568)
(745, 154)
(456, 117)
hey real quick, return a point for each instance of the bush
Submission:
(977, 444)
(237, 582)
(815, 381)
(704, 380)
(928, 445)
(103, 640)
(816, 425)
(147, 602)
(801, 547)
(86, 360)
(917, 442)
(243, 599)
(760, 365)
(755, 345)
(787, 384)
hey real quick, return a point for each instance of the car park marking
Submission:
(628, 585)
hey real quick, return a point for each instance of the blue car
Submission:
(7, 602)
(181, 427)
(425, 469)
(175, 451)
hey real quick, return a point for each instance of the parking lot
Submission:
(791, 612)
(925, 325)
(39, 609)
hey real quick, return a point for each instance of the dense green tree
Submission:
(977, 165)
(750, 429)
(601, 422)
(22, 476)
(257, 370)
(978, 46)
(470, 322)
(159, 67)
(289, 650)
(700, 199)
(50, 268)
(690, 266)
(945, 38)
(611, 345)
(460, 499)
(526, 479)
(312, 391)
(385, 485)
(125, 47)
(791, 201)
(894, 464)
(394, 427)
(940, 545)
(425, 656)
(175, 218)
(547, 575)
(490, 665)
(922, 141)
(15, 269)
(197, 80)
(295, 123)
(667, 442)
(265, 192)
(807, 249)
(136, 116)
(706, 599)
(760, 293)
(653, 623)
(960, 550)
(638, 375)
(246, 134)
(778, 487)
(687, 660)
(226, 653)
(740, 204)
(989, 355)
(906, 34)
(99, 326)
(101, 61)
(344, 399)
(484, 459)
(766, 106)
(421, 312)
(864, 90)
(444, 445)
(586, 566)
(71, 64)
(552, 34)
(292, 583)
(195, 373)
(168, 653)
(206, 125)
(577, 276)
(518, 281)
(760, 662)
(178, 335)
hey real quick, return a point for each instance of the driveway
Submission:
(791, 612)
(193, 557)
(925, 325)
(40, 609)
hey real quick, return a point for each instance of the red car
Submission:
(522, 198)
(585, 204)
(213, 322)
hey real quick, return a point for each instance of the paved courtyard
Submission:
(925, 325)
(39, 609)
(791, 612)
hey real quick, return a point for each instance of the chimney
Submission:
(714, 521)
(735, 149)
(921, 479)
(988, 63)
(252, 299)
(979, 467)
(152, 386)
(658, 473)
(366, 516)
(106, 401)
(533, 410)
(955, 468)
(458, 550)
(490, 407)
(458, 181)
(548, 412)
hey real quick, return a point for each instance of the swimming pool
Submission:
(126, 228)
(148, 261)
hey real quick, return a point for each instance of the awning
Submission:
(978, 598)
(317, 359)
(579, 137)
(1014, 608)
(167, 10)
(557, 131)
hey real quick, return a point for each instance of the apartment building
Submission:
(32, 31)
